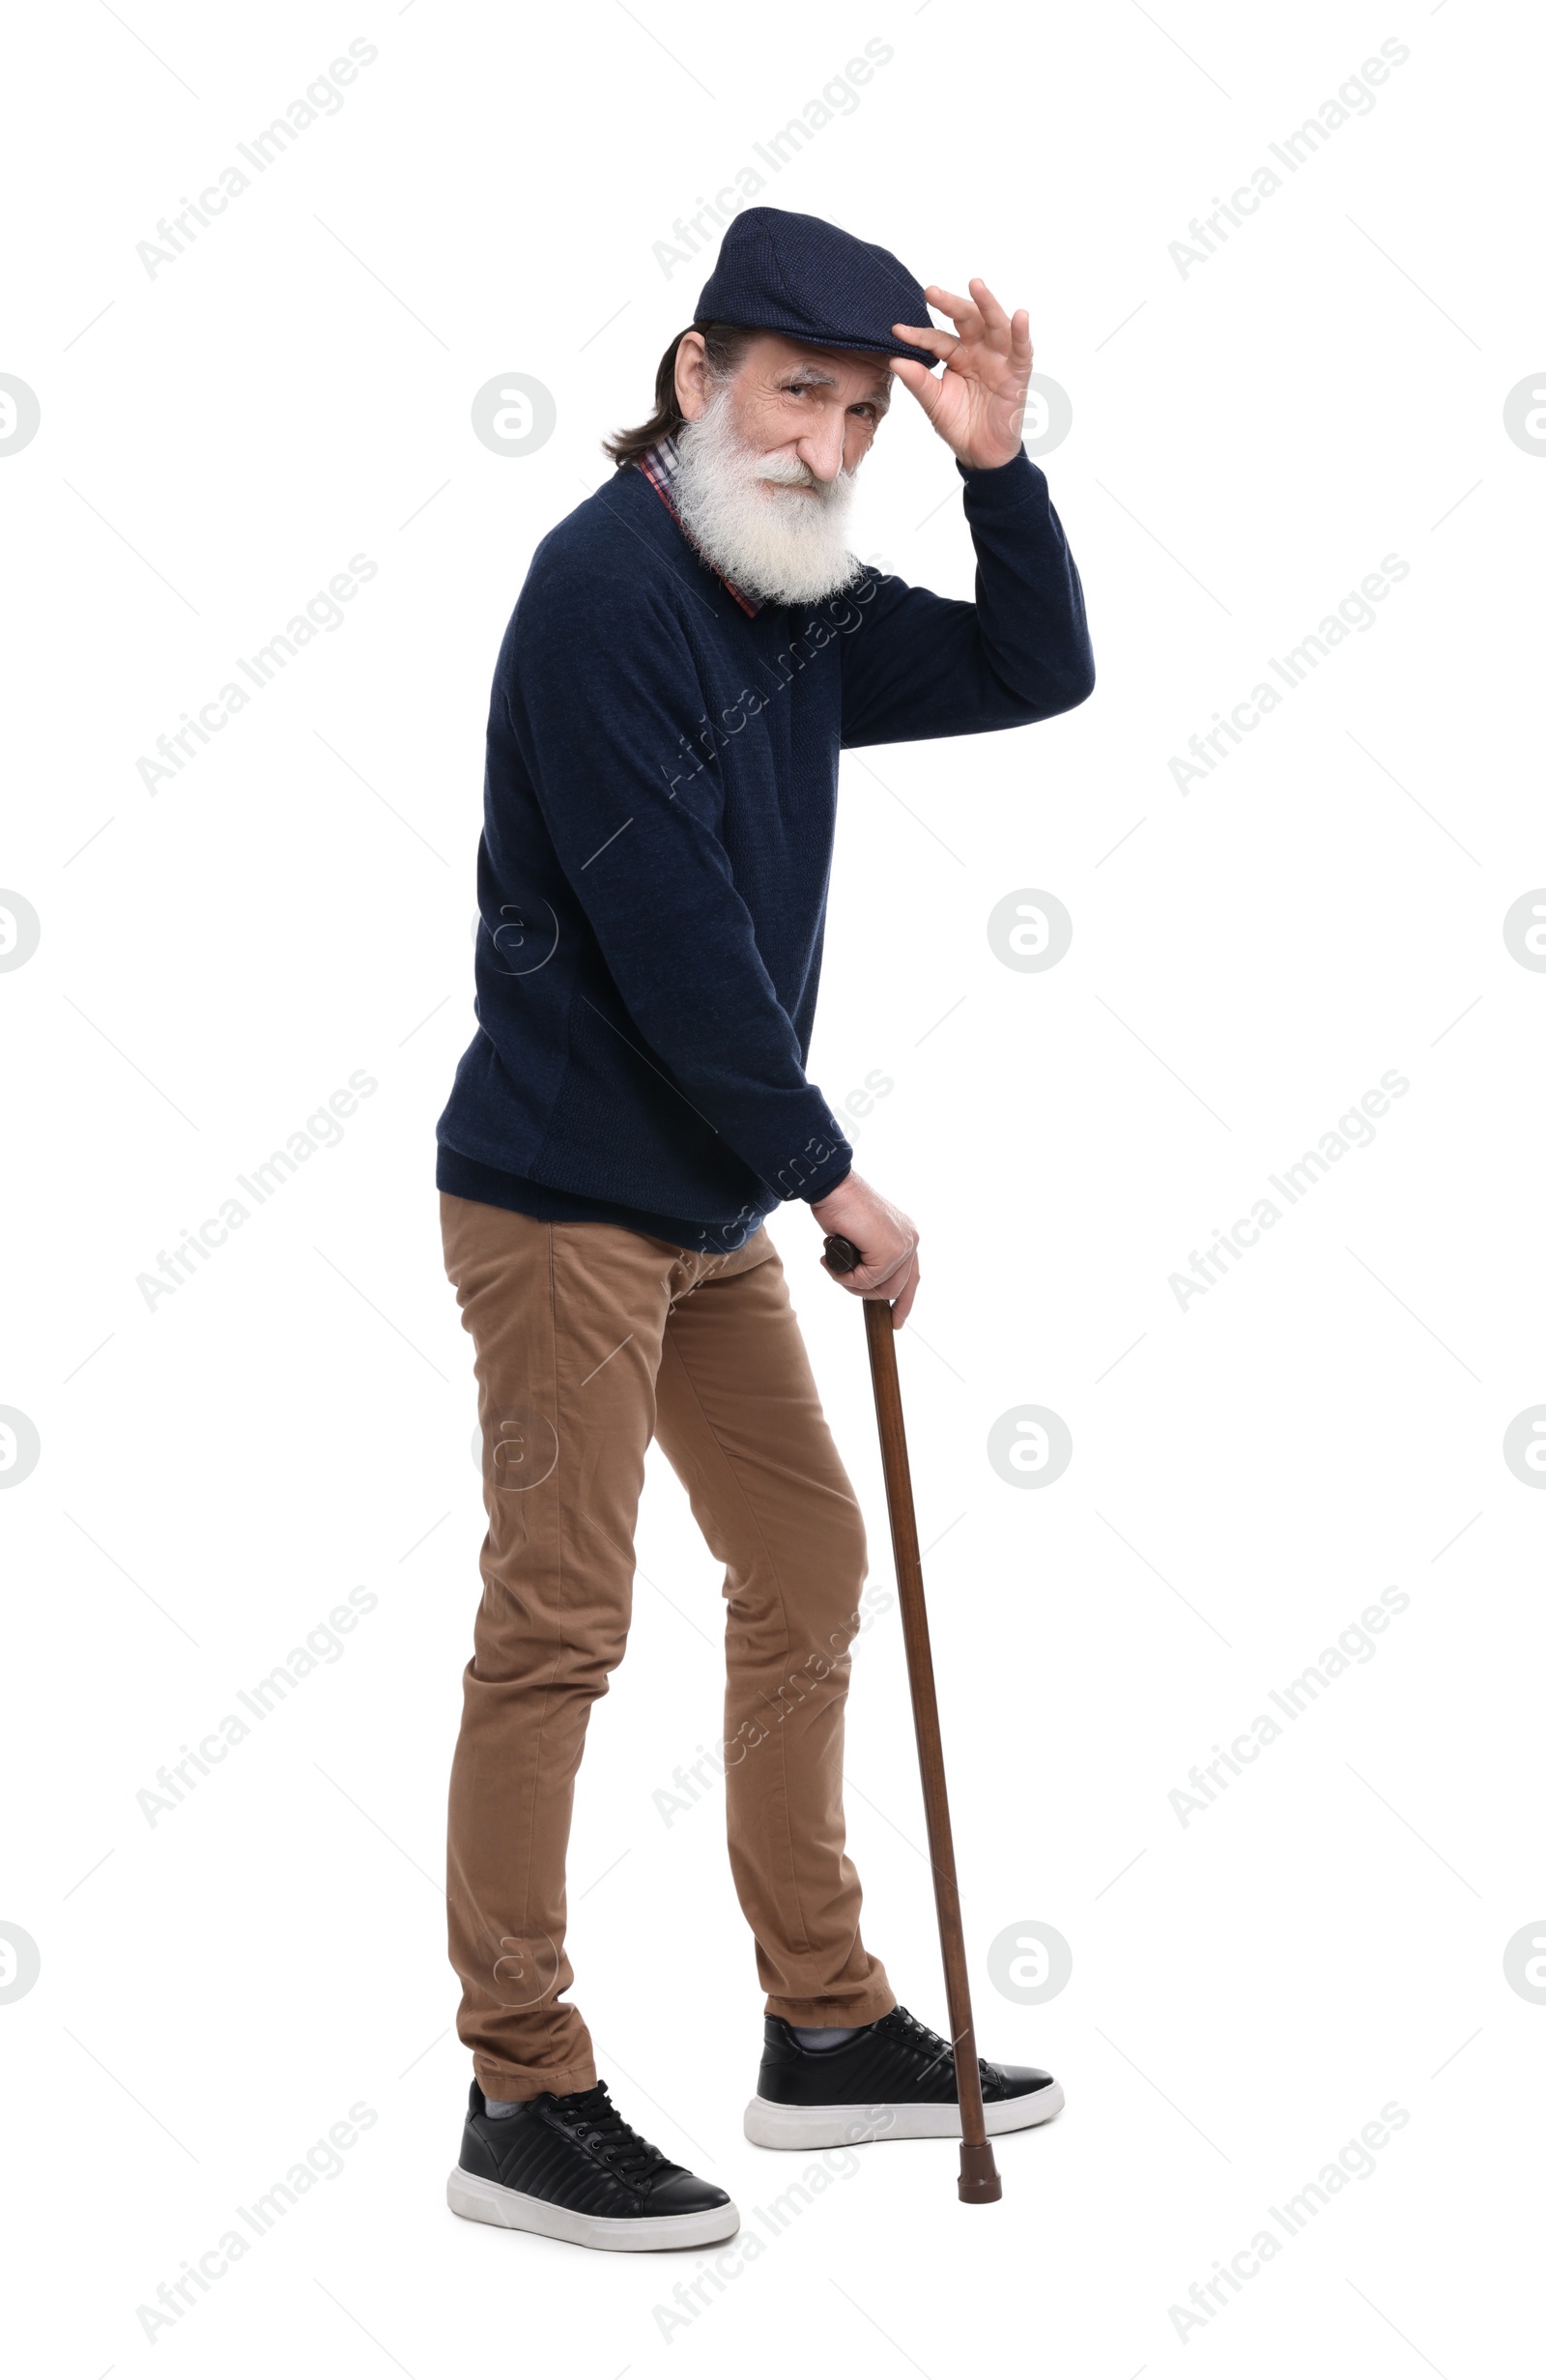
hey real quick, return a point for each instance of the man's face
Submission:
(766, 458)
(816, 407)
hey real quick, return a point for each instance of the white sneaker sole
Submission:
(491, 2203)
(772, 2126)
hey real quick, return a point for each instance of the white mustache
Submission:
(790, 473)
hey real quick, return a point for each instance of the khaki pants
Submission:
(588, 1340)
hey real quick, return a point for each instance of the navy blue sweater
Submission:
(659, 807)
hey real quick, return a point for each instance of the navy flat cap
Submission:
(808, 280)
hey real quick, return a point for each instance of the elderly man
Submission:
(692, 649)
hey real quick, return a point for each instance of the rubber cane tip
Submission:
(980, 2181)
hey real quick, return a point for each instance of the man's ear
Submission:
(691, 376)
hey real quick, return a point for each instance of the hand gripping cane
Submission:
(979, 2176)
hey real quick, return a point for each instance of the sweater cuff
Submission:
(1011, 482)
(829, 1160)
(820, 1161)
(838, 1173)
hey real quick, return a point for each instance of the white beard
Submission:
(775, 542)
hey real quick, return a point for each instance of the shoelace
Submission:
(595, 2123)
(918, 2036)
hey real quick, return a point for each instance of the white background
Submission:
(1249, 1471)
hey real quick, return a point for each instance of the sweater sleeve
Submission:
(600, 694)
(923, 664)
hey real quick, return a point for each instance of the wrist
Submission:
(1000, 463)
(817, 1204)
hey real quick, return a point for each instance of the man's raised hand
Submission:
(978, 404)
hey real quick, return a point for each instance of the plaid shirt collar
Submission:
(659, 464)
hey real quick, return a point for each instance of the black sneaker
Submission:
(894, 2080)
(570, 2168)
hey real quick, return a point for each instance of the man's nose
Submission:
(820, 449)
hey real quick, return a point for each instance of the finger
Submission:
(920, 380)
(940, 343)
(869, 1282)
(993, 314)
(903, 1306)
(876, 1279)
(1019, 345)
(963, 312)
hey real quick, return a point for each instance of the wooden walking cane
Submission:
(979, 2176)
